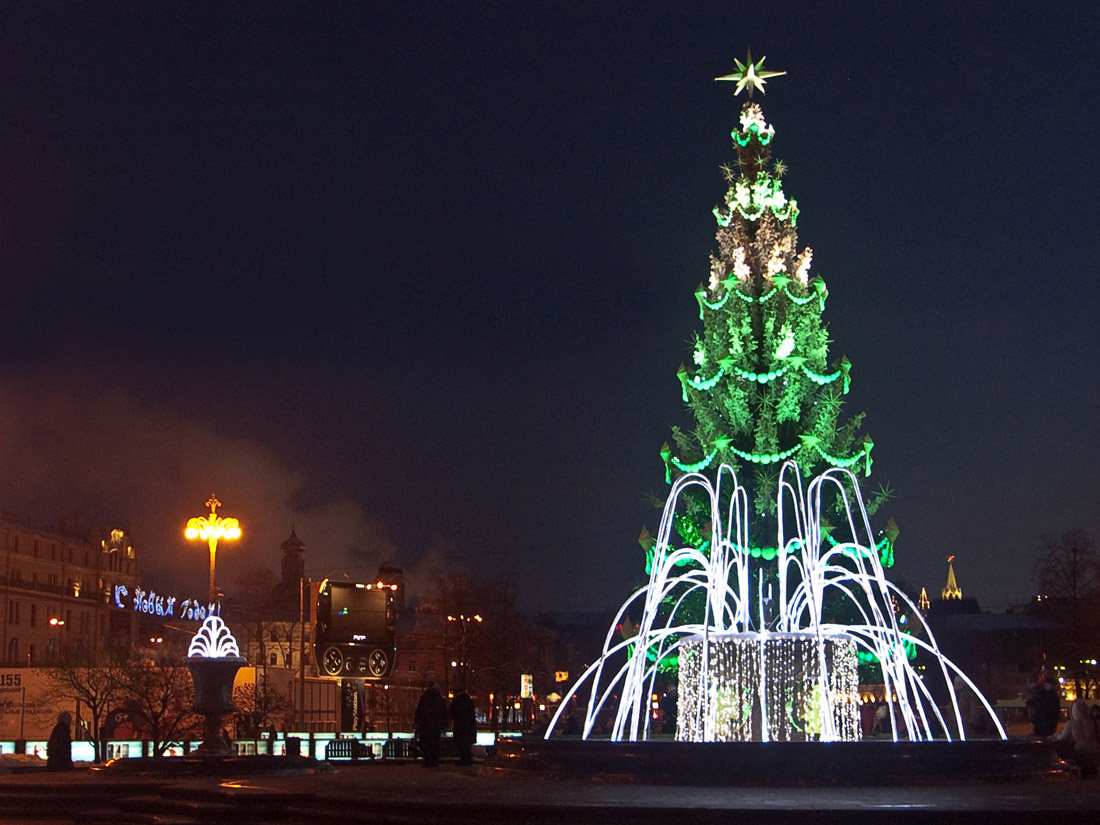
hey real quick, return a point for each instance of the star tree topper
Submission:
(750, 74)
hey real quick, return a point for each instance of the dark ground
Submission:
(488, 793)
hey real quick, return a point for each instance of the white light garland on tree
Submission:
(802, 266)
(741, 268)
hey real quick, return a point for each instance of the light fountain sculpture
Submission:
(769, 668)
(213, 659)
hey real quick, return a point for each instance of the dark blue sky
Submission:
(417, 280)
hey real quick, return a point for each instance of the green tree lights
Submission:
(762, 389)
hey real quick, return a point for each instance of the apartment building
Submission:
(58, 591)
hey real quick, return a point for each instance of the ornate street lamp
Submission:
(210, 529)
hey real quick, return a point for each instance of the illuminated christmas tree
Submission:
(762, 388)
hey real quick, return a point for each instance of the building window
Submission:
(13, 612)
(273, 659)
(274, 635)
(431, 666)
(13, 649)
(30, 654)
(53, 552)
(290, 659)
(16, 578)
(34, 615)
(412, 666)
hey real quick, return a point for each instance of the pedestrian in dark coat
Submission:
(429, 722)
(59, 748)
(1043, 705)
(464, 720)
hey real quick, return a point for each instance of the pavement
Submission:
(390, 792)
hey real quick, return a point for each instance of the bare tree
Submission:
(1067, 568)
(1068, 574)
(96, 683)
(261, 705)
(164, 695)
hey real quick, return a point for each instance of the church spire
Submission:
(924, 604)
(951, 590)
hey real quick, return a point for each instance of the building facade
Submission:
(58, 592)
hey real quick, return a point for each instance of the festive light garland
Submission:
(808, 440)
(706, 384)
(757, 129)
(750, 201)
(819, 288)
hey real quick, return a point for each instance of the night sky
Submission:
(416, 278)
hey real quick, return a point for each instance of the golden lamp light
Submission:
(210, 529)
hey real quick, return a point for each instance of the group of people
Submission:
(433, 717)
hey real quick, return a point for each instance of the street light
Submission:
(57, 624)
(465, 624)
(210, 529)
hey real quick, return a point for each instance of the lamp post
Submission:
(464, 623)
(57, 624)
(210, 529)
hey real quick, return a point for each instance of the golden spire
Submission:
(951, 590)
(923, 604)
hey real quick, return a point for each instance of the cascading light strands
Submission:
(768, 666)
(768, 686)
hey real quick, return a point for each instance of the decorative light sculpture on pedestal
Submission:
(210, 529)
(213, 659)
(769, 666)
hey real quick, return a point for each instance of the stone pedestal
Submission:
(213, 680)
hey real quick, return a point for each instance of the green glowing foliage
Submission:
(762, 388)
